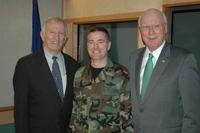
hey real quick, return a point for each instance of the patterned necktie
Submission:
(147, 75)
(57, 76)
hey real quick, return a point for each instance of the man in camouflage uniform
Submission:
(102, 93)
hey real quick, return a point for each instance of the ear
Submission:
(165, 26)
(65, 41)
(109, 45)
(42, 35)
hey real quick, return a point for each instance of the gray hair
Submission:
(164, 18)
(57, 20)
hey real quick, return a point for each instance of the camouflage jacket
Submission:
(102, 105)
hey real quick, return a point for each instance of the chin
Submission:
(96, 57)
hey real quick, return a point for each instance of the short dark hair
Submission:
(101, 29)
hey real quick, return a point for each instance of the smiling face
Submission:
(53, 36)
(98, 46)
(153, 29)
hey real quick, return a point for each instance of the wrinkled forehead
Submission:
(56, 23)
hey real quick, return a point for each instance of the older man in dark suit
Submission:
(41, 104)
(165, 82)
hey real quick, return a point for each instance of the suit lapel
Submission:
(137, 72)
(69, 75)
(43, 65)
(158, 70)
(45, 71)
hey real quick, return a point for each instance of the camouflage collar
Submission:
(107, 70)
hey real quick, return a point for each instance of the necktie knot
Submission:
(54, 58)
(150, 56)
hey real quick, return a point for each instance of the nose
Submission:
(96, 45)
(57, 35)
(151, 30)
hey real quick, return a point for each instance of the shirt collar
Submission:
(60, 60)
(49, 55)
(156, 53)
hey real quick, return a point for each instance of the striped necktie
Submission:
(57, 76)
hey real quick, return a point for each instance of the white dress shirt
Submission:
(156, 55)
(61, 63)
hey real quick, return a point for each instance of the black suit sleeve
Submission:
(21, 87)
(71, 66)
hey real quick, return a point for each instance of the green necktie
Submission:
(147, 75)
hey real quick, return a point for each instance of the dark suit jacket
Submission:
(38, 107)
(171, 102)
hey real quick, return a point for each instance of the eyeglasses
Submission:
(155, 27)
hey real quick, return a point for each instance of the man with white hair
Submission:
(165, 82)
(43, 84)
